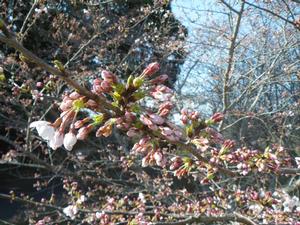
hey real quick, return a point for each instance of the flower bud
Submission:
(160, 79)
(84, 132)
(151, 69)
(105, 130)
(129, 82)
(108, 76)
(106, 86)
(80, 123)
(74, 95)
(138, 82)
(216, 118)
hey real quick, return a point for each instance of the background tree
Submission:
(245, 62)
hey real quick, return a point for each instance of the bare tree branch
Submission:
(231, 61)
(273, 13)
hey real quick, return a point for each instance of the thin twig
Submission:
(28, 17)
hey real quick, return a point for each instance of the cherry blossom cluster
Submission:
(195, 149)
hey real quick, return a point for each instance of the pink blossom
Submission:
(66, 105)
(129, 116)
(166, 131)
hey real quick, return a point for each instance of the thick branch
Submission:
(231, 60)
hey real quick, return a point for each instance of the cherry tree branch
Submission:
(8, 38)
(236, 217)
(199, 219)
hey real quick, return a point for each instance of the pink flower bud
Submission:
(108, 76)
(166, 131)
(97, 81)
(228, 144)
(66, 105)
(176, 163)
(144, 140)
(97, 86)
(184, 119)
(217, 117)
(132, 132)
(91, 104)
(106, 86)
(184, 112)
(160, 79)
(129, 117)
(84, 132)
(145, 120)
(194, 115)
(74, 95)
(159, 159)
(105, 130)
(80, 123)
(39, 85)
(145, 161)
(165, 108)
(156, 119)
(151, 69)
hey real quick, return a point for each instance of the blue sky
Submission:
(187, 12)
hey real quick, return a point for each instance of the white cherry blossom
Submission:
(57, 140)
(69, 141)
(71, 211)
(44, 129)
